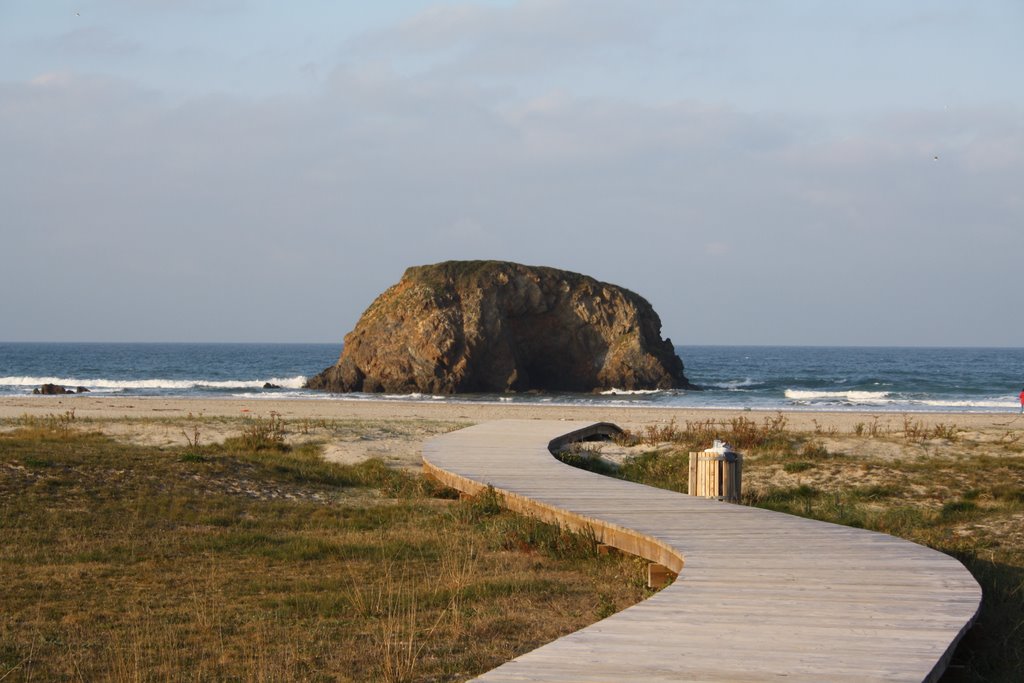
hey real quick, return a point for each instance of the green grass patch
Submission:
(586, 459)
(251, 561)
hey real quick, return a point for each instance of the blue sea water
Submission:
(757, 377)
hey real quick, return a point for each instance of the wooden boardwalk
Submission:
(763, 595)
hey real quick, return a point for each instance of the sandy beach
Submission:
(394, 430)
(105, 408)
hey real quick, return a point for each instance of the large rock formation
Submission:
(493, 326)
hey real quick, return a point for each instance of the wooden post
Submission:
(658, 575)
(692, 485)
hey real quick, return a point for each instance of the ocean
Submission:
(880, 379)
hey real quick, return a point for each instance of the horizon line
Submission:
(675, 345)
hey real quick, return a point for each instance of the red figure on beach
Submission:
(1022, 401)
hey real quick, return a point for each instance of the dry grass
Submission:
(957, 491)
(347, 440)
(254, 559)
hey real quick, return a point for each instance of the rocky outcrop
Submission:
(57, 390)
(50, 390)
(494, 326)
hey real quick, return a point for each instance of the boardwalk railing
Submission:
(760, 595)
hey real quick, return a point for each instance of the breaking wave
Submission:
(853, 397)
(112, 385)
(1008, 403)
(630, 392)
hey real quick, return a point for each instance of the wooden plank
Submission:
(809, 601)
(727, 485)
(692, 481)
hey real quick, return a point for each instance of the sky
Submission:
(762, 171)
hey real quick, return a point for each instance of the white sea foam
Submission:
(280, 395)
(296, 382)
(848, 396)
(414, 396)
(630, 392)
(993, 402)
(737, 384)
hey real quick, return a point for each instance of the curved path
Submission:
(763, 595)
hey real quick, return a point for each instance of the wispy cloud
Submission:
(443, 136)
(342, 190)
(95, 41)
(471, 39)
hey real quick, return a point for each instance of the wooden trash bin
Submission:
(717, 472)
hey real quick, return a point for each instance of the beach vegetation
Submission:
(945, 431)
(872, 430)
(261, 434)
(936, 484)
(827, 429)
(914, 430)
(255, 559)
(586, 456)
(739, 432)
(813, 450)
(665, 469)
(59, 425)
